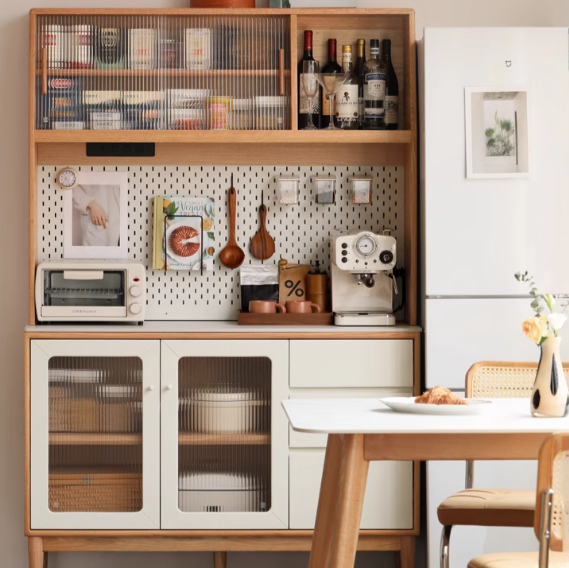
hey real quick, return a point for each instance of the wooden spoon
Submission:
(232, 256)
(262, 244)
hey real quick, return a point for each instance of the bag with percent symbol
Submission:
(292, 281)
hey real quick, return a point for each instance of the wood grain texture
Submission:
(293, 76)
(326, 318)
(226, 136)
(220, 560)
(553, 445)
(245, 335)
(425, 447)
(262, 245)
(32, 169)
(27, 437)
(407, 552)
(194, 541)
(80, 439)
(232, 154)
(164, 73)
(35, 552)
(186, 439)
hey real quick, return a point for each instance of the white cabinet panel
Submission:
(459, 333)
(210, 479)
(95, 434)
(302, 440)
(351, 363)
(478, 233)
(389, 493)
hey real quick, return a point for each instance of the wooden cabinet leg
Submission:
(220, 560)
(45, 557)
(407, 552)
(36, 556)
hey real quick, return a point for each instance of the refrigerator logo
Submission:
(508, 62)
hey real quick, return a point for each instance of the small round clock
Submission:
(66, 178)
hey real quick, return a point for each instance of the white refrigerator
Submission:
(477, 233)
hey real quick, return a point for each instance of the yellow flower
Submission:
(534, 328)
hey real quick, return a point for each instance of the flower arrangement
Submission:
(541, 326)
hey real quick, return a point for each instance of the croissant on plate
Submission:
(440, 395)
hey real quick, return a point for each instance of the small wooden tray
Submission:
(326, 318)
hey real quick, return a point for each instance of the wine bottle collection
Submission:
(368, 98)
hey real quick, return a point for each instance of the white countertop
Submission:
(212, 327)
(369, 416)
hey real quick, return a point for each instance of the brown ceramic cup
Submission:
(265, 307)
(302, 307)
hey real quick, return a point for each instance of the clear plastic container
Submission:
(288, 190)
(242, 114)
(361, 190)
(270, 113)
(220, 113)
(324, 189)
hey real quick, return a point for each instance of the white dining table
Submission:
(364, 430)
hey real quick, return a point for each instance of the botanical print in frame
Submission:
(496, 132)
(95, 217)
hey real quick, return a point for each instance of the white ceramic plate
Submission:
(171, 253)
(407, 404)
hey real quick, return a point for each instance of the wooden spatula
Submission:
(262, 244)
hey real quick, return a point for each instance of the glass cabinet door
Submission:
(224, 434)
(95, 408)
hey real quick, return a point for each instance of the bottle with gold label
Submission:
(346, 115)
(331, 67)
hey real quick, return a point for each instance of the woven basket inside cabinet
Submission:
(96, 492)
(90, 415)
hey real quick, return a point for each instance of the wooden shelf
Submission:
(187, 439)
(161, 72)
(94, 439)
(226, 136)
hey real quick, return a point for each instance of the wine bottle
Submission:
(346, 112)
(303, 101)
(374, 89)
(330, 67)
(359, 71)
(391, 90)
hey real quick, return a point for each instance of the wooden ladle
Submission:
(232, 256)
(262, 244)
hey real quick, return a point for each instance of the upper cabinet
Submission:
(158, 74)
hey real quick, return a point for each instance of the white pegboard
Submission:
(301, 232)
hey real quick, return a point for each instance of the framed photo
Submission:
(496, 132)
(95, 216)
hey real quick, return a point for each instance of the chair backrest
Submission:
(503, 379)
(553, 473)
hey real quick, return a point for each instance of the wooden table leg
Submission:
(36, 555)
(320, 553)
(340, 504)
(220, 560)
(353, 470)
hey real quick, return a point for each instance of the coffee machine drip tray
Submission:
(363, 318)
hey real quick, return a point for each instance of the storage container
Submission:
(324, 189)
(361, 190)
(242, 114)
(288, 190)
(270, 113)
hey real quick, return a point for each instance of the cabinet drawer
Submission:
(351, 363)
(389, 493)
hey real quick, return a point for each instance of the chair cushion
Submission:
(488, 508)
(518, 560)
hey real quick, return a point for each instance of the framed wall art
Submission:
(497, 140)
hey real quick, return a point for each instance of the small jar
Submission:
(361, 190)
(288, 190)
(242, 115)
(219, 113)
(270, 113)
(325, 190)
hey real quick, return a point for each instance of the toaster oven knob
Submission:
(135, 291)
(135, 308)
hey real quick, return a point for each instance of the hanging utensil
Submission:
(232, 255)
(262, 244)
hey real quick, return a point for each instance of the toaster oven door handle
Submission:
(83, 274)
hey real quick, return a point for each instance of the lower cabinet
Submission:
(389, 492)
(191, 434)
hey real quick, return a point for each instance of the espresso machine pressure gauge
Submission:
(365, 246)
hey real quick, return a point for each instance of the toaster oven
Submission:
(106, 291)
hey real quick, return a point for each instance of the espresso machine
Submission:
(362, 278)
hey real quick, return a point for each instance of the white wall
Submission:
(14, 241)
